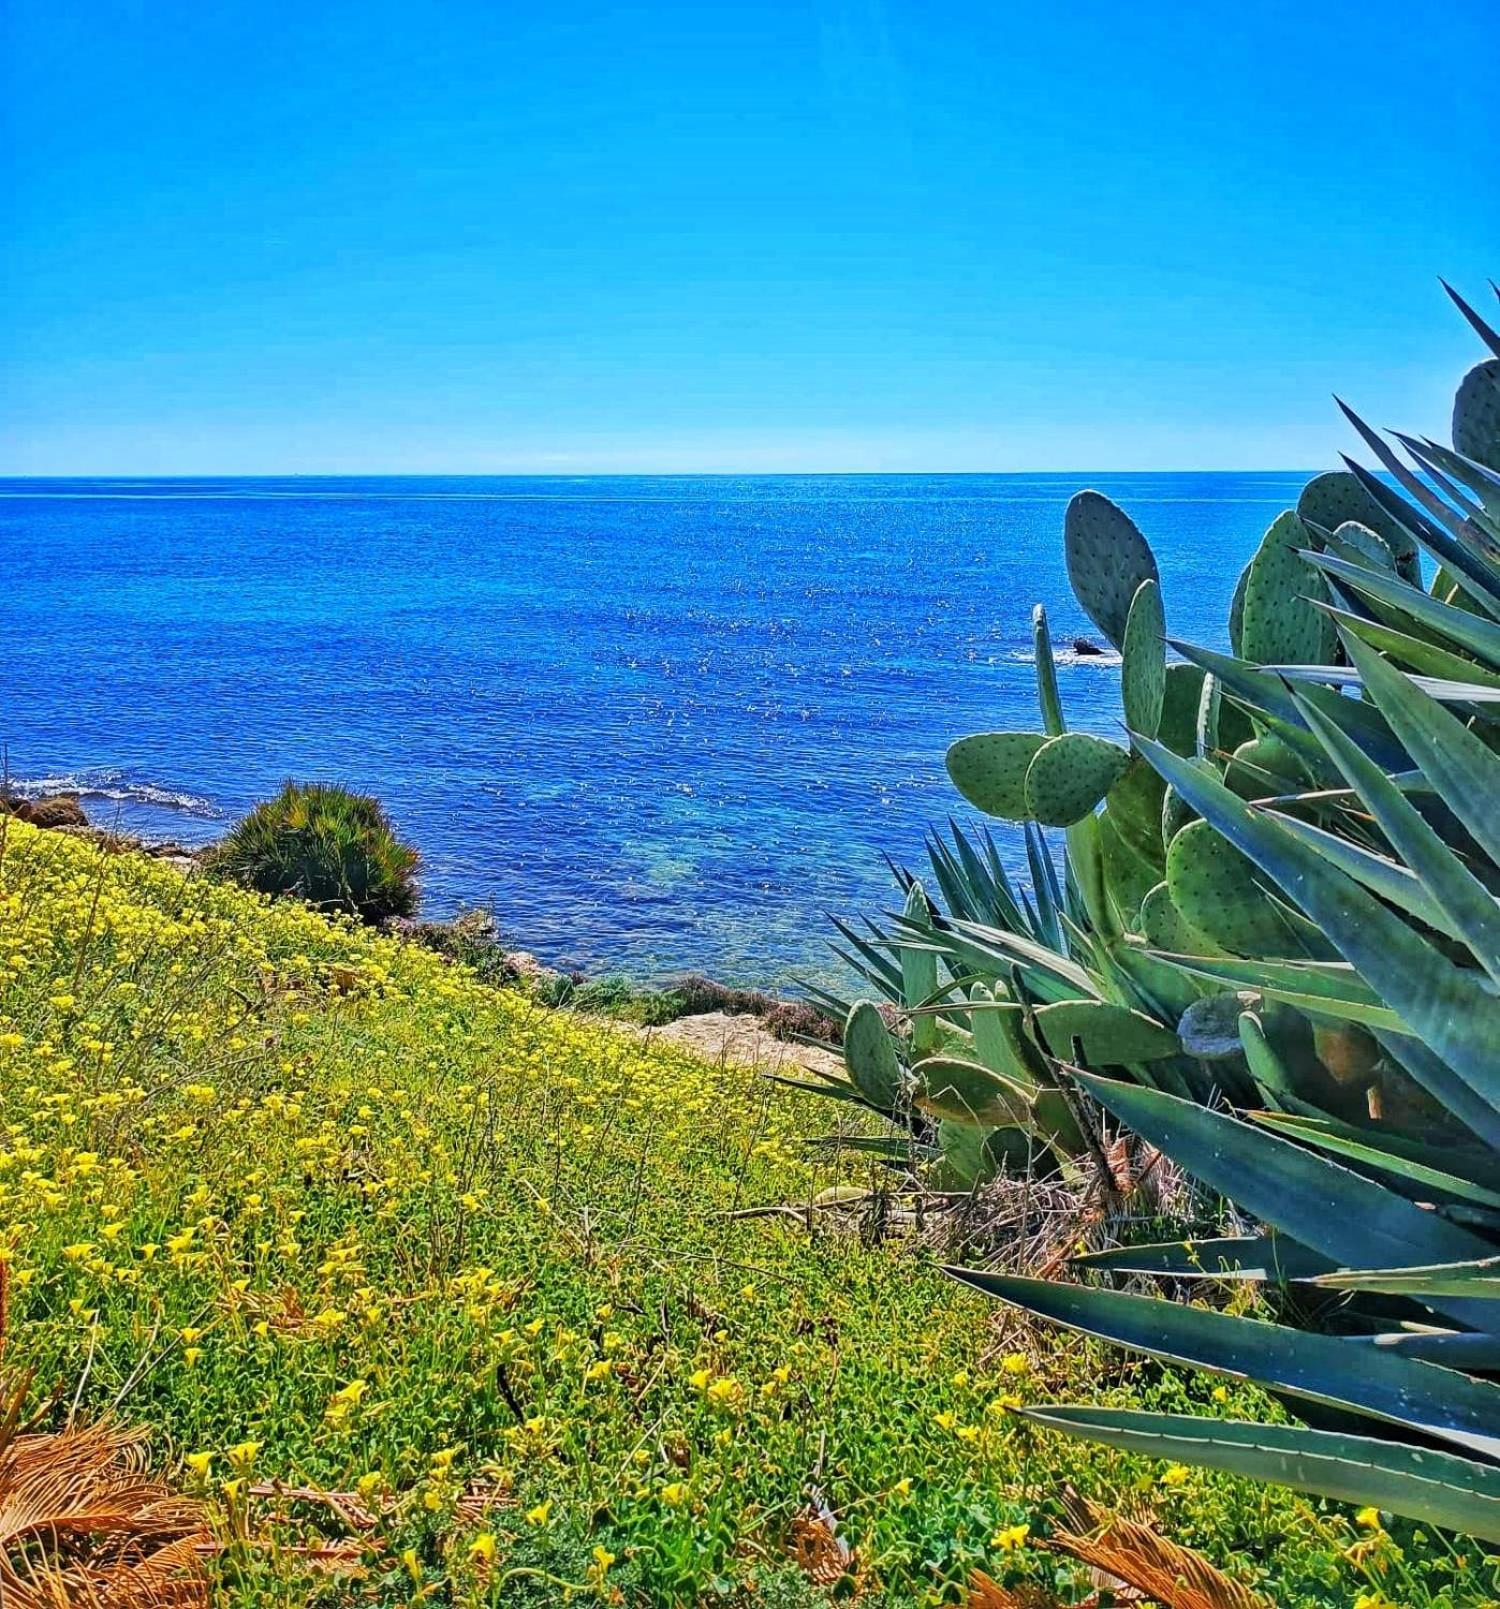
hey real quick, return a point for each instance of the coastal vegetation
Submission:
(326, 845)
(431, 1294)
(425, 1290)
(1272, 958)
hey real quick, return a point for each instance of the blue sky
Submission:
(799, 234)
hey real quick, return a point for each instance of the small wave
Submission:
(1069, 656)
(115, 785)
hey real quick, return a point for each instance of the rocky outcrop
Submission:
(742, 1040)
(56, 810)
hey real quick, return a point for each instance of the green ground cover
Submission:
(320, 1209)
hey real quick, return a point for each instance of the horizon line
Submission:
(628, 474)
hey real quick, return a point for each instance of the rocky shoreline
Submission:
(715, 1020)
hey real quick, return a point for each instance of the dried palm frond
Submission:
(1132, 1552)
(987, 1593)
(821, 1554)
(82, 1523)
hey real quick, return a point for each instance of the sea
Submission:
(655, 724)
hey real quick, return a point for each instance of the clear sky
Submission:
(294, 235)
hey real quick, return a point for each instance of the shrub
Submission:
(335, 849)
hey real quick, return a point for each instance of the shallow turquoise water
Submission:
(659, 723)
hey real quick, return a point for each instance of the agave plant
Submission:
(1354, 831)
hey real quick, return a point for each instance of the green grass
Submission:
(273, 1183)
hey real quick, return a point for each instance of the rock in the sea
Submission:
(1082, 645)
(58, 810)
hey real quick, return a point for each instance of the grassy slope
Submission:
(272, 1181)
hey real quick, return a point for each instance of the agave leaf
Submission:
(1450, 1008)
(1446, 532)
(1462, 769)
(1476, 323)
(1468, 1350)
(1451, 465)
(1266, 696)
(1471, 911)
(1431, 1073)
(992, 952)
(1479, 1277)
(1479, 635)
(1044, 885)
(1421, 655)
(1326, 988)
(1382, 875)
(1274, 1258)
(1342, 1143)
(1319, 1203)
(1445, 689)
(1315, 1367)
(1460, 1494)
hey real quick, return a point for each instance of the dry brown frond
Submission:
(82, 1524)
(821, 1553)
(987, 1593)
(1133, 1552)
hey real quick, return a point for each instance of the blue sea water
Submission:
(658, 723)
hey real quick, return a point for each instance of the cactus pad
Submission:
(1107, 558)
(1210, 1028)
(1262, 767)
(1165, 928)
(1128, 876)
(989, 770)
(1334, 499)
(966, 1092)
(1182, 692)
(1359, 544)
(1143, 661)
(1069, 775)
(1476, 414)
(1000, 1037)
(1134, 806)
(870, 1056)
(1217, 891)
(1111, 1035)
(1281, 626)
(972, 1156)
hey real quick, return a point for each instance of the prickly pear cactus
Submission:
(1069, 775)
(1359, 544)
(967, 1092)
(1476, 414)
(1217, 891)
(1336, 498)
(919, 979)
(1165, 928)
(989, 770)
(1181, 695)
(1134, 809)
(1107, 559)
(870, 1056)
(1128, 875)
(1109, 1034)
(1143, 661)
(1281, 624)
(1263, 767)
(999, 1037)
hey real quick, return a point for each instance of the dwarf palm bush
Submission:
(1291, 869)
(321, 843)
